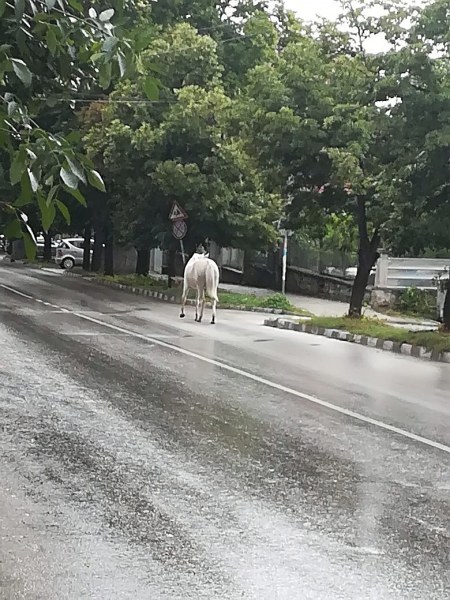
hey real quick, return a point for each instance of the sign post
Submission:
(284, 262)
(178, 217)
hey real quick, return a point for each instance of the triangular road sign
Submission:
(177, 213)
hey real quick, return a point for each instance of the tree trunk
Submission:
(87, 248)
(109, 251)
(142, 261)
(368, 256)
(47, 247)
(446, 309)
(97, 250)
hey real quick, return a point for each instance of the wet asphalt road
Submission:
(131, 467)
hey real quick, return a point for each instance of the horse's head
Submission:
(197, 256)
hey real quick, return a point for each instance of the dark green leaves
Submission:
(75, 4)
(104, 75)
(63, 210)
(33, 181)
(96, 180)
(13, 230)
(69, 178)
(122, 63)
(76, 168)
(109, 44)
(2, 7)
(30, 242)
(19, 229)
(26, 194)
(12, 108)
(151, 88)
(17, 168)
(48, 212)
(22, 71)
(51, 40)
(76, 194)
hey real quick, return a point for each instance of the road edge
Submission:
(370, 342)
(172, 299)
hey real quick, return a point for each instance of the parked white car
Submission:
(40, 247)
(70, 253)
(350, 273)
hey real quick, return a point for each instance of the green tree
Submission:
(51, 54)
(181, 148)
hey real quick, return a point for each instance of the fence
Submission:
(402, 273)
(232, 258)
(305, 256)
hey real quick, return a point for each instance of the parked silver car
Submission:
(70, 253)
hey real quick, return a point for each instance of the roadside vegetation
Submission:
(377, 328)
(110, 113)
(226, 299)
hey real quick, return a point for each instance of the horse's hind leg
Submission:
(202, 308)
(197, 306)
(213, 318)
(183, 301)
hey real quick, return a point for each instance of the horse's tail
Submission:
(212, 279)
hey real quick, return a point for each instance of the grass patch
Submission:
(432, 340)
(276, 301)
(141, 281)
(226, 299)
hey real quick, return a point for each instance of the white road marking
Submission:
(272, 384)
(92, 333)
(10, 289)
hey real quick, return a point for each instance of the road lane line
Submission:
(10, 289)
(272, 384)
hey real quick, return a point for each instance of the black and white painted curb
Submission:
(167, 298)
(371, 342)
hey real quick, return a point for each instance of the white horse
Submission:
(202, 274)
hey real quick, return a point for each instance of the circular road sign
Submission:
(179, 229)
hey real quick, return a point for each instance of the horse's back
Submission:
(203, 273)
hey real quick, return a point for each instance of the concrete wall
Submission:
(309, 283)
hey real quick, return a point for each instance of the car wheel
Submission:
(68, 263)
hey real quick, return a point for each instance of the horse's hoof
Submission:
(182, 316)
(213, 322)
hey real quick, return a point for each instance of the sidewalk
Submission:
(332, 308)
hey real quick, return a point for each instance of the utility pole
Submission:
(284, 262)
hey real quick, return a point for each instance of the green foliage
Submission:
(418, 302)
(236, 110)
(184, 150)
(51, 54)
(276, 301)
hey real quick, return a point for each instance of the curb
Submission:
(166, 298)
(370, 342)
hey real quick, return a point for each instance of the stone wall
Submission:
(303, 281)
(309, 283)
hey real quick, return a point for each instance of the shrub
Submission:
(276, 301)
(418, 302)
